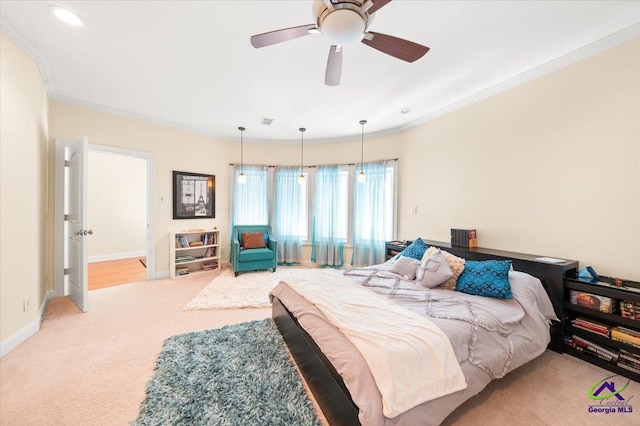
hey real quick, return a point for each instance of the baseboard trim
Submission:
(21, 336)
(115, 256)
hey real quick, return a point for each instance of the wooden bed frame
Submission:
(327, 385)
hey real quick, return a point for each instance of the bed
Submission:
(485, 347)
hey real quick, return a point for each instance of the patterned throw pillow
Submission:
(455, 263)
(433, 271)
(406, 267)
(415, 250)
(486, 278)
(253, 240)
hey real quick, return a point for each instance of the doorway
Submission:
(117, 215)
(61, 235)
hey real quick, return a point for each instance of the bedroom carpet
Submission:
(249, 289)
(237, 375)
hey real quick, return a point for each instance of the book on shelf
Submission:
(181, 241)
(632, 368)
(629, 309)
(601, 352)
(196, 243)
(210, 266)
(623, 337)
(464, 238)
(630, 356)
(591, 325)
(208, 239)
(182, 259)
(629, 331)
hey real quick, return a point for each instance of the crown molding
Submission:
(616, 39)
(30, 49)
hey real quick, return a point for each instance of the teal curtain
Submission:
(329, 219)
(371, 221)
(290, 221)
(251, 198)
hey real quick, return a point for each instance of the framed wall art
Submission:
(194, 196)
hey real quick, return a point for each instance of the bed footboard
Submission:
(321, 377)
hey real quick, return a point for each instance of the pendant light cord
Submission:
(242, 129)
(362, 123)
(302, 130)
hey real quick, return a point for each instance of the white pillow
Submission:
(433, 271)
(406, 267)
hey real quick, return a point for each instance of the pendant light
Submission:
(361, 176)
(241, 177)
(301, 177)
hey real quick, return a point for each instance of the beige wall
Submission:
(551, 167)
(23, 185)
(173, 150)
(117, 206)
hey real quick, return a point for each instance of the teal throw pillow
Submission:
(415, 250)
(488, 278)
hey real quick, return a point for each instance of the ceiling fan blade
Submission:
(394, 46)
(334, 66)
(278, 36)
(378, 4)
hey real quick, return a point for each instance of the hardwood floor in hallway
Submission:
(111, 273)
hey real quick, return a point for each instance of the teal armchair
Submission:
(253, 259)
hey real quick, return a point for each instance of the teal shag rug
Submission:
(236, 375)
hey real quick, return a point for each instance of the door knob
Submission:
(89, 232)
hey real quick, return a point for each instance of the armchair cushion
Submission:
(255, 254)
(253, 240)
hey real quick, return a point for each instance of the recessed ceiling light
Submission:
(405, 111)
(67, 16)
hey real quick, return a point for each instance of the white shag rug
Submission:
(249, 289)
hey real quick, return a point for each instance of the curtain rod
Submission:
(310, 166)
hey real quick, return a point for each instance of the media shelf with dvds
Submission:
(601, 323)
(194, 252)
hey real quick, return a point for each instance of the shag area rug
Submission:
(249, 289)
(235, 375)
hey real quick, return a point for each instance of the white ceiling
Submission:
(190, 64)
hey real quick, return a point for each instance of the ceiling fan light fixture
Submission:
(67, 16)
(343, 26)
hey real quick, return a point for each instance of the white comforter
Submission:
(418, 363)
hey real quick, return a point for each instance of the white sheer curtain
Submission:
(290, 221)
(251, 198)
(371, 219)
(329, 221)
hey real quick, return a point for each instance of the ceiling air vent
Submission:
(266, 121)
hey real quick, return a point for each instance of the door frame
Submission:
(60, 146)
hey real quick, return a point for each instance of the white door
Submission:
(77, 207)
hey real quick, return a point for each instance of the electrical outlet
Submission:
(26, 303)
(222, 250)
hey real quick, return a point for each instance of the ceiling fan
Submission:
(342, 22)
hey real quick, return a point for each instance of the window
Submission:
(331, 203)
(250, 199)
(325, 203)
(291, 204)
